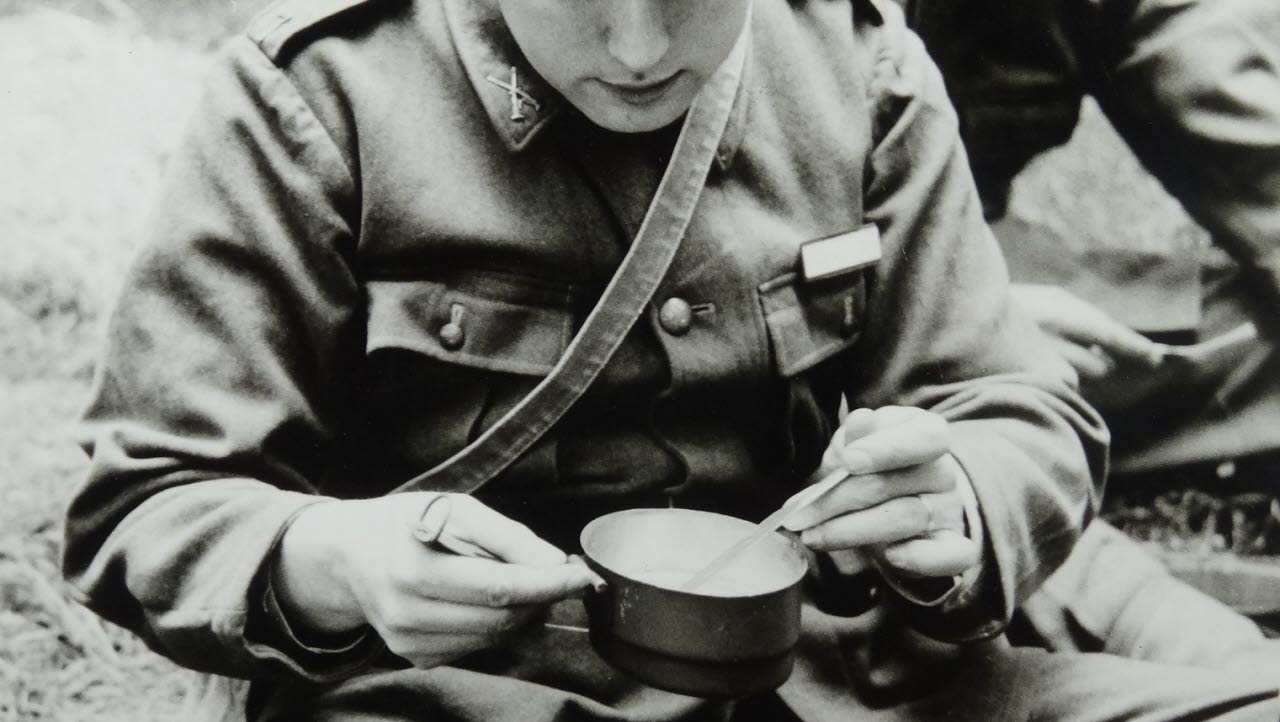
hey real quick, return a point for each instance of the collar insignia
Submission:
(518, 97)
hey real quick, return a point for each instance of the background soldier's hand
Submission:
(902, 504)
(344, 564)
(1086, 336)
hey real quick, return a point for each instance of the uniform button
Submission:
(452, 336)
(676, 316)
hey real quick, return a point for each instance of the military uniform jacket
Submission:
(363, 257)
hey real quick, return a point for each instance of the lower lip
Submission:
(645, 95)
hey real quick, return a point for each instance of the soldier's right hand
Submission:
(344, 564)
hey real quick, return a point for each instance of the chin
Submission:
(623, 118)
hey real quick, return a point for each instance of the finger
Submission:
(1123, 342)
(598, 582)
(499, 584)
(850, 561)
(869, 490)
(1063, 314)
(434, 516)
(474, 523)
(1088, 363)
(1080, 321)
(895, 520)
(942, 554)
(902, 437)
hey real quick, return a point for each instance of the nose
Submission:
(637, 33)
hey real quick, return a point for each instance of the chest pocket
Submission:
(809, 322)
(809, 325)
(460, 326)
(446, 360)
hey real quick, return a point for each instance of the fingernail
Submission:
(426, 536)
(432, 520)
(856, 461)
(797, 522)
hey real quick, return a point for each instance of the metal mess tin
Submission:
(734, 637)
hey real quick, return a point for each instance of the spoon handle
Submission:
(771, 523)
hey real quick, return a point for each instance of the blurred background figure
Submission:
(1193, 88)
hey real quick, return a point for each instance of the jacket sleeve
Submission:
(213, 411)
(943, 336)
(1194, 89)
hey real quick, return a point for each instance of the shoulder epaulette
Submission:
(282, 21)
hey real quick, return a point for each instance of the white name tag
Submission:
(834, 255)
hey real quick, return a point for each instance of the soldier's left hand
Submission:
(901, 503)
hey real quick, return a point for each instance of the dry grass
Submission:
(93, 100)
(94, 93)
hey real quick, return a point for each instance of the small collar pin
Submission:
(518, 97)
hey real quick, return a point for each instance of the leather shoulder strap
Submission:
(622, 302)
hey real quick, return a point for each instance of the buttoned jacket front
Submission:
(368, 252)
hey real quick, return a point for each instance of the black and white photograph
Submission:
(639, 360)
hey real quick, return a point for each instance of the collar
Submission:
(736, 66)
(520, 110)
(517, 100)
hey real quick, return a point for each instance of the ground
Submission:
(95, 94)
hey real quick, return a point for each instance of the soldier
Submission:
(373, 251)
(1194, 89)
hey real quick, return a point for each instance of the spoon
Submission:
(769, 525)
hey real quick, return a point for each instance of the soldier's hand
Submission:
(344, 564)
(901, 504)
(1086, 336)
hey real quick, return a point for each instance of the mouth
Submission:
(642, 93)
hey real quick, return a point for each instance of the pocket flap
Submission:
(495, 335)
(810, 322)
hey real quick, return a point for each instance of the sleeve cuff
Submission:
(270, 634)
(344, 644)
